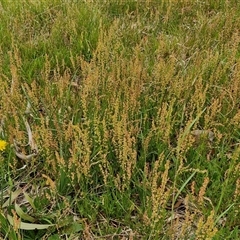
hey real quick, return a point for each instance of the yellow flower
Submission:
(3, 145)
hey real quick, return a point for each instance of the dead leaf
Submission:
(203, 134)
(31, 143)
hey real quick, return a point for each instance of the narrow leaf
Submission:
(183, 186)
(12, 197)
(30, 200)
(187, 130)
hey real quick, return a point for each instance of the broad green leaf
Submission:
(54, 237)
(29, 226)
(23, 215)
(74, 228)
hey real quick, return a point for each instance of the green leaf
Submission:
(188, 129)
(74, 228)
(29, 226)
(184, 185)
(54, 237)
(30, 200)
(12, 197)
(23, 215)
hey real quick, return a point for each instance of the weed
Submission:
(119, 120)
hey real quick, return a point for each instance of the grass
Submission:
(121, 120)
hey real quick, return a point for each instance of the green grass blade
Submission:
(12, 197)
